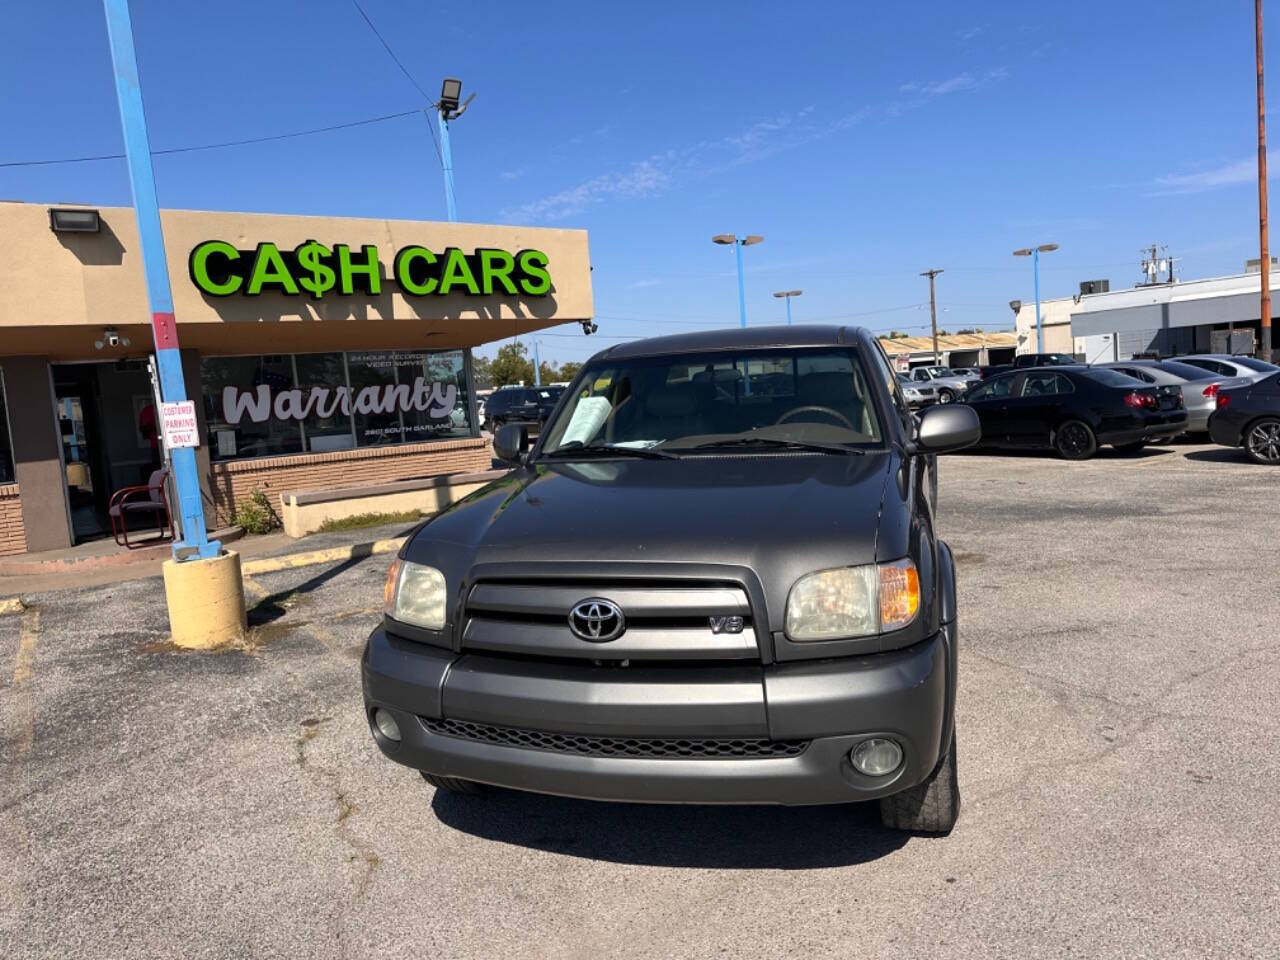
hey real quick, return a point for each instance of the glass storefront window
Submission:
(321, 378)
(262, 406)
(242, 397)
(6, 448)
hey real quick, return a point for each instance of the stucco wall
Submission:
(235, 480)
(60, 290)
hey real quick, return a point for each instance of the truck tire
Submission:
(929, 807)
(946, 396)
(452, 784)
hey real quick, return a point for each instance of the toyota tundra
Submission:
(714, 578)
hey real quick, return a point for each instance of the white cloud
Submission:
(645, 178)
(961, 81)
(1227, 175)
(642, 284)
(967, 35)
(512, 174)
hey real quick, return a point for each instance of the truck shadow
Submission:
(709, 837)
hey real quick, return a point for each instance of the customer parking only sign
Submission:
(179, 420)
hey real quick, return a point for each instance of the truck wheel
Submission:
(929, 807)
(945, 395)
(1075, 441)
(452, 784)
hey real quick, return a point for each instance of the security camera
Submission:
(112, 337)
(588, 328)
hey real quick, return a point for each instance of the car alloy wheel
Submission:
(1263, 442)
(945, 396)
(1075, 441)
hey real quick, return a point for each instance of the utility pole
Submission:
(933, 311)
(1264, 314)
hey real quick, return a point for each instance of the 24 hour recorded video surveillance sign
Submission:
(312, 269)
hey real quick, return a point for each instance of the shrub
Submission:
(255, 515)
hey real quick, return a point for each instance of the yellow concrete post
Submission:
(205, 600)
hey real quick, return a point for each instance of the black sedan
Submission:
(1249, 417)
(520, 405)
(1075, 410)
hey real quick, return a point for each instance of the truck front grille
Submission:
(641, 747)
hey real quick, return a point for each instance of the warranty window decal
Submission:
(312, 269)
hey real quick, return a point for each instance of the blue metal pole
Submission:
(537, 365)
(446, 160)
(788, 299)
(1035, 266)
(156, 268)
(742, 294)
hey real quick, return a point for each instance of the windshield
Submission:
(941, 372)
(690, 401)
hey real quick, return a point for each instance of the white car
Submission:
(949, 383)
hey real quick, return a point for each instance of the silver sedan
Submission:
(1199, 386)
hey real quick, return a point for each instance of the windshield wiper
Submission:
(577, 449)
(780, 444)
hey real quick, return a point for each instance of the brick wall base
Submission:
(13, 538)
(235, 480)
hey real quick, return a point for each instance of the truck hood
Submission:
(772, 513)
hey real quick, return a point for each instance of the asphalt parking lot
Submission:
(1117, 725)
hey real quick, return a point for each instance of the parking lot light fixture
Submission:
(1034, 254)
(738, 243)
(787, 295)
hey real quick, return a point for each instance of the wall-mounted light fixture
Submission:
(111, 338)
(64, 220)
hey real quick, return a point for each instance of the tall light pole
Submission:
(173, 389)
(1034, 254)
(738, 244)
(933, 310)
(449, 108)
(787, 295)
(1264, 314)
(537, 365)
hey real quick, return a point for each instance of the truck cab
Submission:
(714, 578)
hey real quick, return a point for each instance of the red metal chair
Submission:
(155, 504)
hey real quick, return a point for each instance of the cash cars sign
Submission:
(312, 269)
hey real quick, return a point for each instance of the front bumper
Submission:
(906, 694)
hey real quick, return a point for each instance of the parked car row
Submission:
(1074, 408)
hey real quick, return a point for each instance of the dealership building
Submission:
(321, 352)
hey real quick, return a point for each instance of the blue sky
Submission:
(866, 142)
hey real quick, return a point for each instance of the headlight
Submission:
(415, 594)
(853, 601)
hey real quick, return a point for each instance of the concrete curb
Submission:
(291, 561)
(11, 605)
(18, 567)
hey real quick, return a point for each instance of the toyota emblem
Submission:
(596, 620)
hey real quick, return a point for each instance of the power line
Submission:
(408, 76)
(217, 146)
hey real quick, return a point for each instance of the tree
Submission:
(892, 335)
(569, 369)
(549, 372)
(511, 365)
(482, 372)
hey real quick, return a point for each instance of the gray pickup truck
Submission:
(714, 579)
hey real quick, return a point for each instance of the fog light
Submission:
(386, 725)
(876, 757)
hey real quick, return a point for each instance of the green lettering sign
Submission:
(219, 269)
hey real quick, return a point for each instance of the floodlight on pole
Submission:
(738, 242)
(1034, 254)
(448, 108)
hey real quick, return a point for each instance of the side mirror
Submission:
(951, 426)
(511, 443)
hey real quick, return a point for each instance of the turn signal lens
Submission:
(899, 594)
(389, 588)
